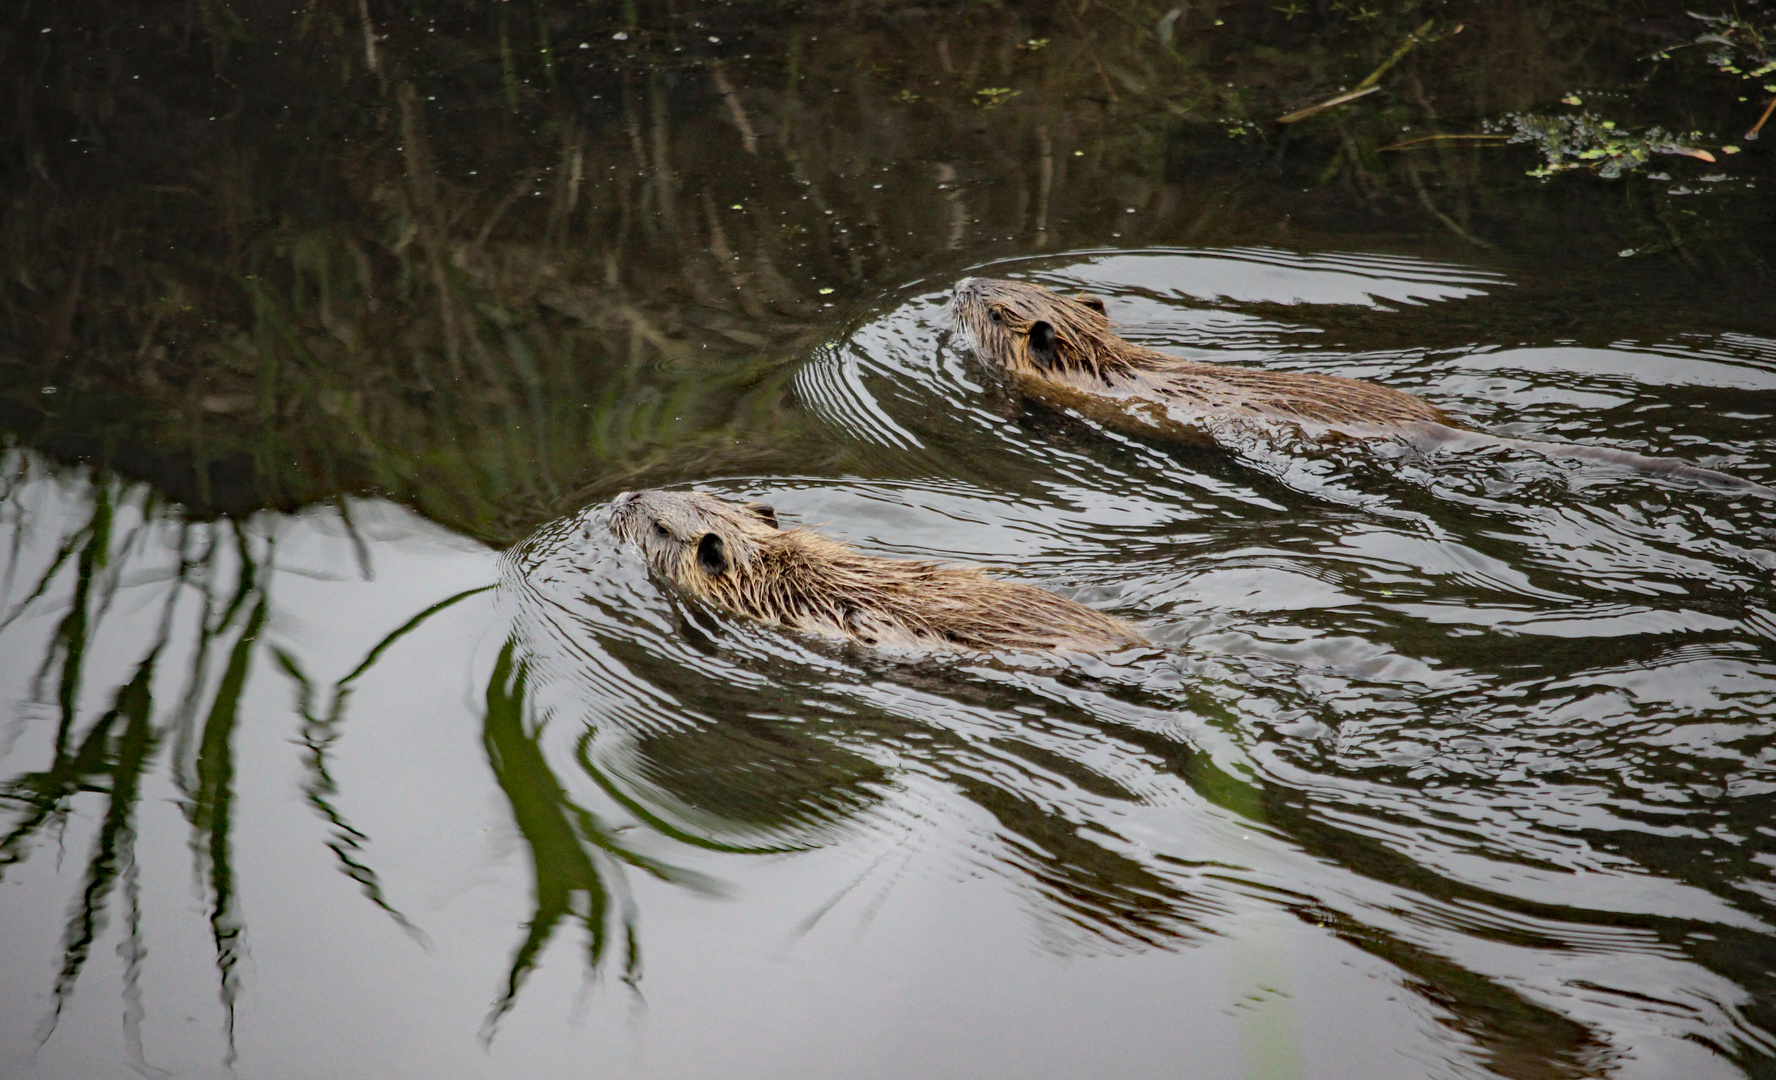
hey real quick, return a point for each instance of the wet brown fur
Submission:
(1061, 349)
(735, 557)
(1088, 358)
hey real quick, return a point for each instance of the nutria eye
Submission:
(660, 531)
(993, 313)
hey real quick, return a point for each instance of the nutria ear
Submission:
(767, 513)
(1042, 343)
(712, 555)
(1096, 303)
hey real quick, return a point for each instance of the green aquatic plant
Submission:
(1741, 48)
(1610, 148)
(1588, 141)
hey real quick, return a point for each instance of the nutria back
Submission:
(735, 557)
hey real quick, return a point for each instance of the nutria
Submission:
(736, 557)
(1061, 349)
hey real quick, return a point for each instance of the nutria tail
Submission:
(1667, 468)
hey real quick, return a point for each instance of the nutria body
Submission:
(1061, 349)
(735, 557)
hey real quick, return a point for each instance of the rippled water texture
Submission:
(1444, 763)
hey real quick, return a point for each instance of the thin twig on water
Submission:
(1424, 139)
(1329, 103)
(1762, 120)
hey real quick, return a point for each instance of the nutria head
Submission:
(694, 539)
(1027, 329)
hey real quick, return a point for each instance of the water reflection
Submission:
(537, 255)
(123, 533)
(139, 632)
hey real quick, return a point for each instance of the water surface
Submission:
(338, 737)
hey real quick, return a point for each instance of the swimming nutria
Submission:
(1061, 349)
(735, 557)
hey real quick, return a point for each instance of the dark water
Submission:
(339, 738)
